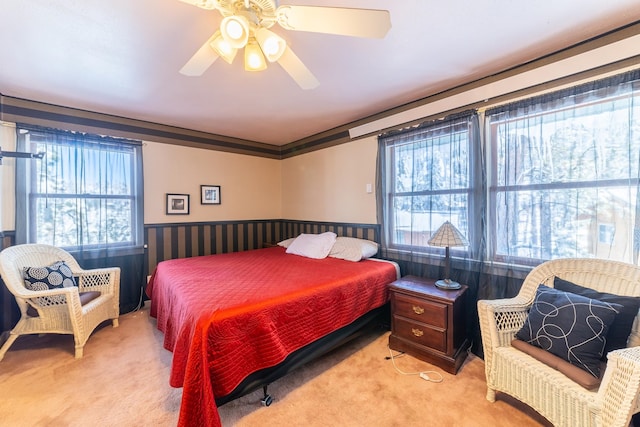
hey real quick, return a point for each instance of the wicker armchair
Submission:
(546, 390)
(59, 311)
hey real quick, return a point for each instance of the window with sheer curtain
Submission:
(552, 176)
(85, 195)
(428, 181)
(564, 174)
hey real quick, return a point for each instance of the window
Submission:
(428, 181)
(565, 174)
(553, 176)
(85, 194)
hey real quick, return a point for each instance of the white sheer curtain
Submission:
(85, 195)
(430, 175)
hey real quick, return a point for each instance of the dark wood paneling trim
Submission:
(291, 228)
(336, 135)
(180, 240)
(9, 312)
(7, 238)
(38, 113)
(317, 142)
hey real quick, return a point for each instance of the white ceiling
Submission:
(122, 57)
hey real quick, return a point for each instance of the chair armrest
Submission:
(28, 294)
(500, 319)
(104, 280)
(620, 387)
(47, 298)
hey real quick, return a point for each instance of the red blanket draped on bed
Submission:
(226, 316)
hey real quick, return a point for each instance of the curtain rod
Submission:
(19, 154)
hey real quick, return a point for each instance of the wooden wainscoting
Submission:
(292, 228)
(9, 312)
(170, 241)
(183, 240)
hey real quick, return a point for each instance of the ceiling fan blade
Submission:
(297, 70)
(335, 20)
(201, 60)
(203, 4)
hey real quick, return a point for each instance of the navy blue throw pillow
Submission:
(621, 327)
(570, 326)
(57, 275)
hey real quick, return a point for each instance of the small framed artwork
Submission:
(210, 194)
(177, 204)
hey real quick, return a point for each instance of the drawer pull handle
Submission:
(417, 309)
(417, 332)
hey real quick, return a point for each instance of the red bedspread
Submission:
(226, 316)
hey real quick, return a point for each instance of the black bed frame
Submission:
(378, 317)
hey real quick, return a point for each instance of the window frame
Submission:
(494, 189)
(456, 125)
(29, 137)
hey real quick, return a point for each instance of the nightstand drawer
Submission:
(420, 333)
(428, 312)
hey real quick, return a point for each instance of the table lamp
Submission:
(446, 236)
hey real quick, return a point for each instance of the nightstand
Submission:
(428, 322)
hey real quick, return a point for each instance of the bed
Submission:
(238, 321)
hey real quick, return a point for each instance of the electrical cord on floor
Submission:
(431, 376)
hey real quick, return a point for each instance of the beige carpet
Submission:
(123, 381)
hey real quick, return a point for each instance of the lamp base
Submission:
(448, 284)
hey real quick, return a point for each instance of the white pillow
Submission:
(353, 249)
(285, 243)
(312, 245)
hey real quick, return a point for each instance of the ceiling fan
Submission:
(246, 24)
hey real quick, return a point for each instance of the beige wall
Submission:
(7, 173)
(325, 185)
(249, 185)
(330, 184)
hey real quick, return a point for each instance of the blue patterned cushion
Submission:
(57, 275)
(570, 326)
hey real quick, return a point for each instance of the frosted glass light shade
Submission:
(235, 30)
(223, 48)
(272, 45)
(253, 57)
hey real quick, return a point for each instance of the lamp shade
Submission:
(272, 45)
(235, 30)
(253, 57)
(447, 236)
(223, 48)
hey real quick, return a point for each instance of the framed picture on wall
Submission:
(210, 194)
(177, 204)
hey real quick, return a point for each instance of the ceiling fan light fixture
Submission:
(253, 58)
(235, 30)
(223, 48)
(272, 45)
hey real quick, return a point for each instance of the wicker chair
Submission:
(546, 390)
(66, 315)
